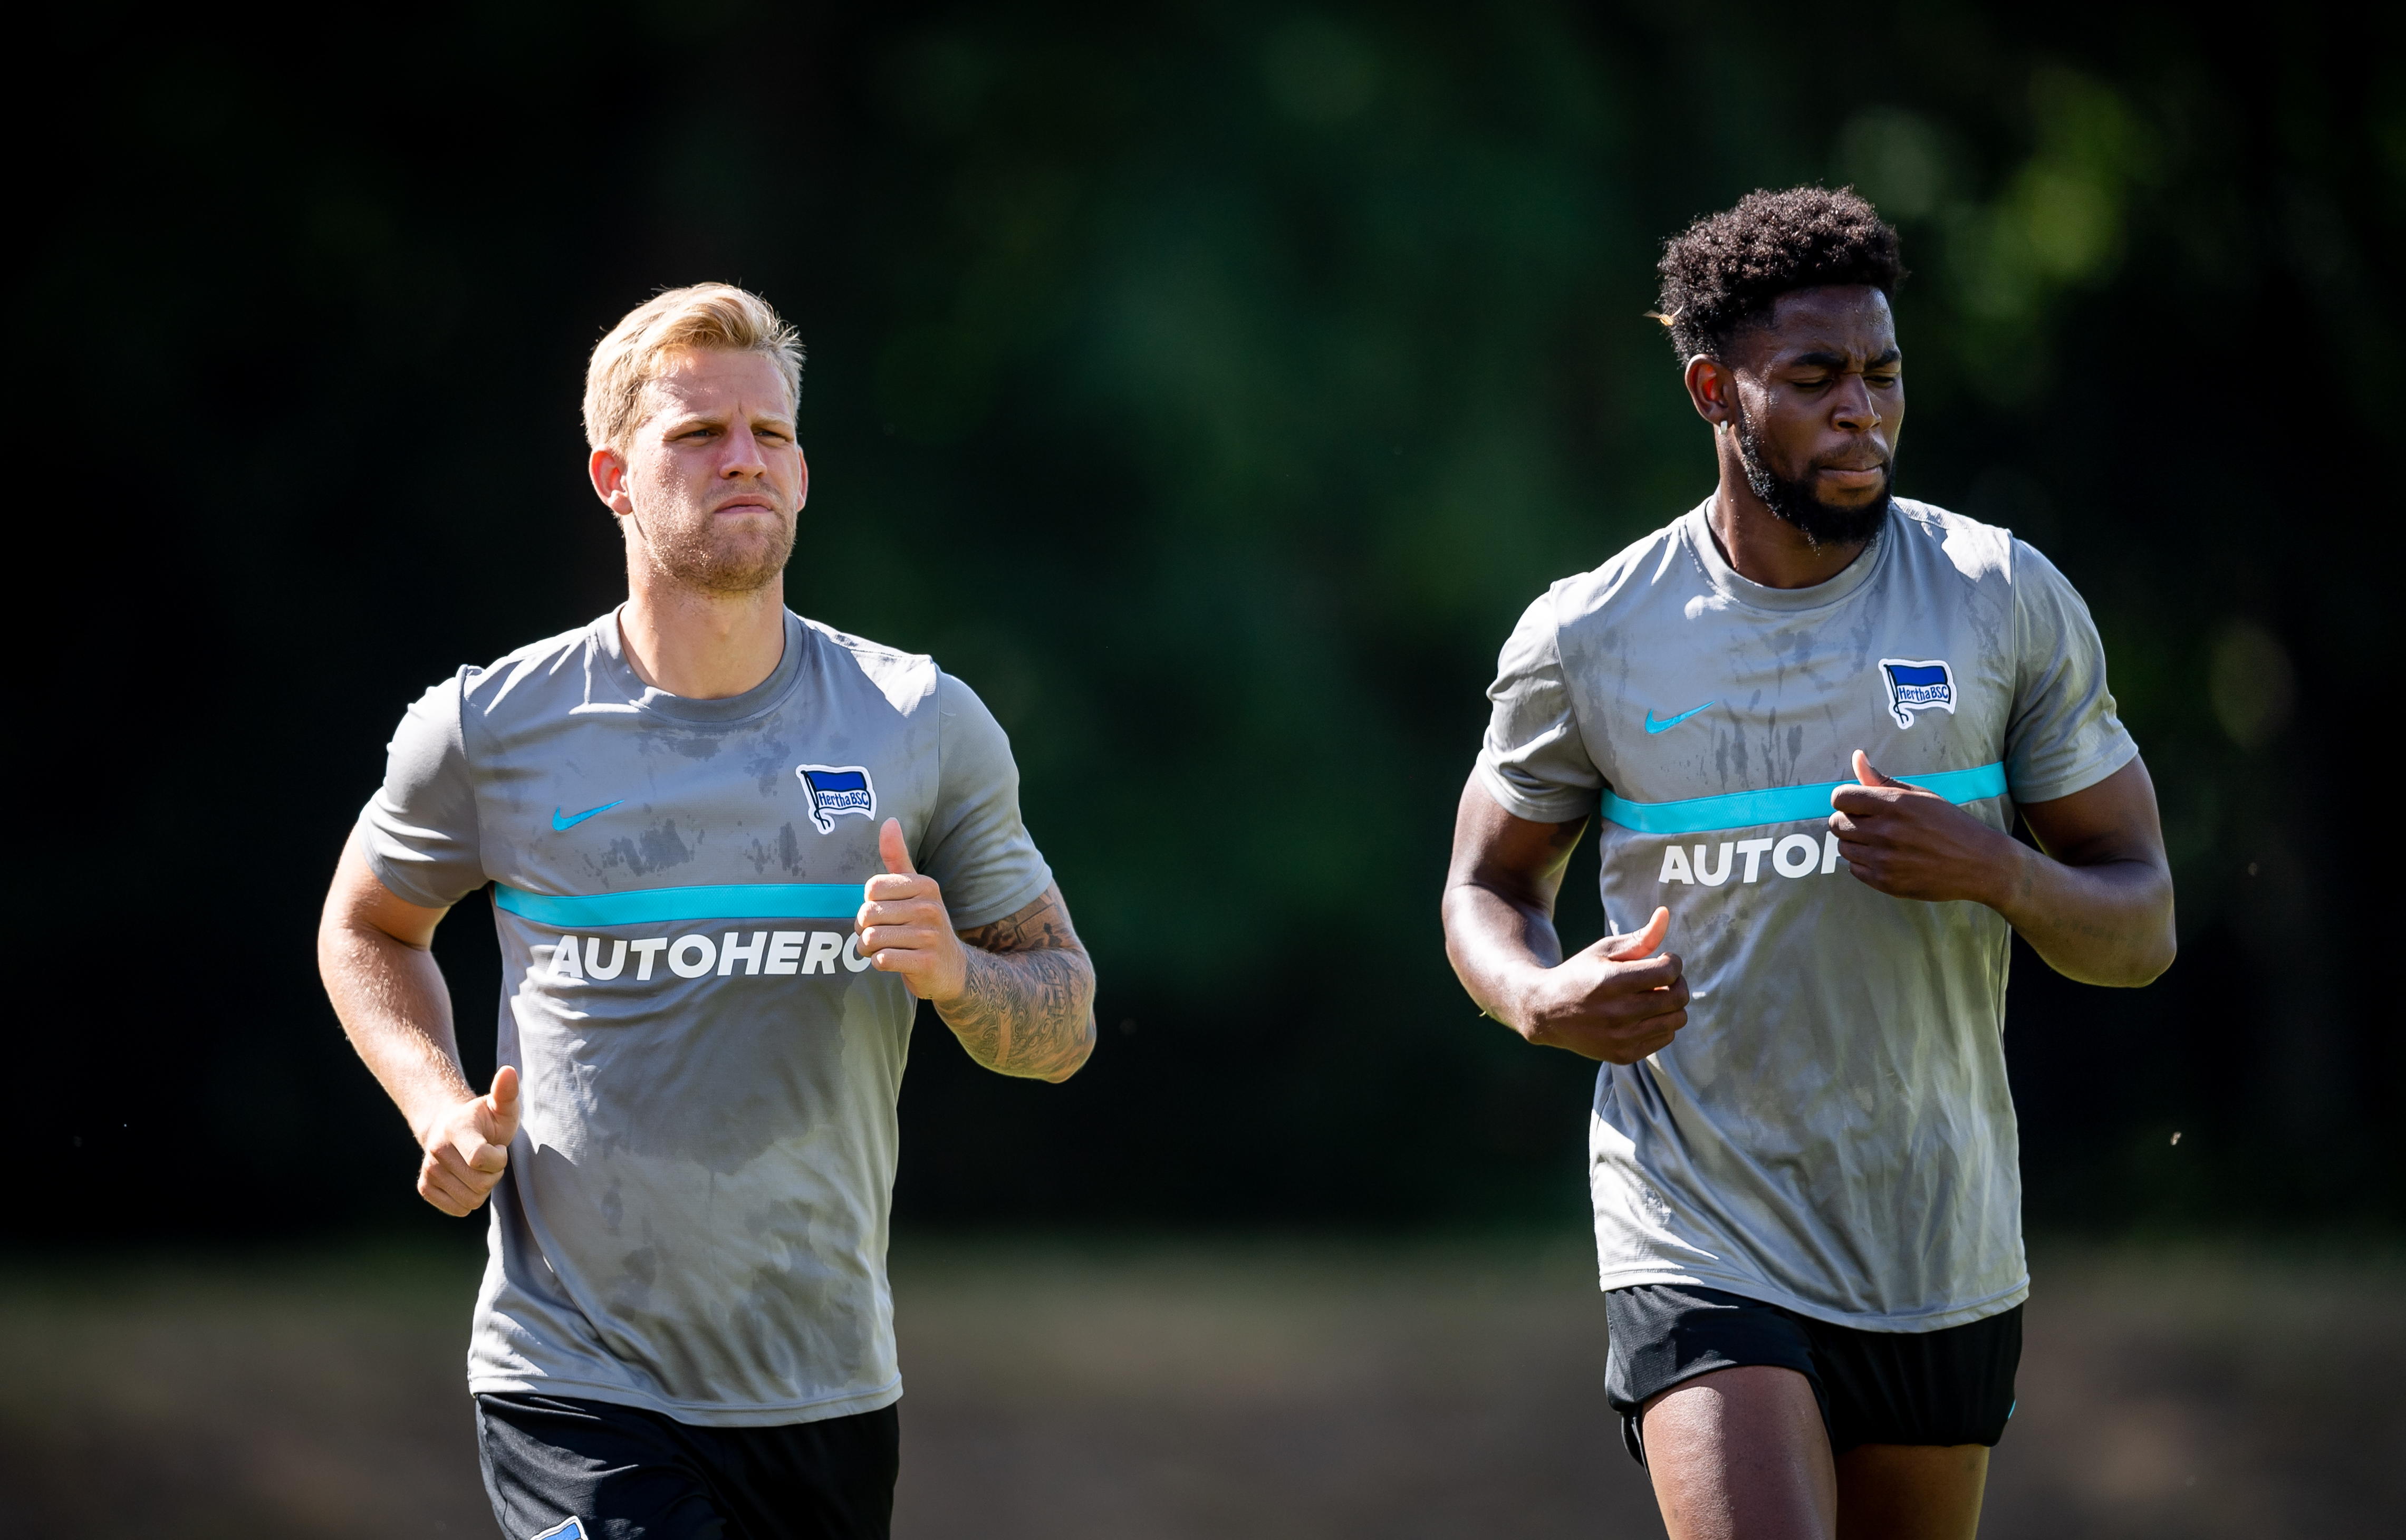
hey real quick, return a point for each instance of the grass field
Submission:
(1255, 1389)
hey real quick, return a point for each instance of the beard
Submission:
(1820, 523)
(697, 554)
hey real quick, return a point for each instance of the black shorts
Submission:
(1954, 1386)
(621, 1473)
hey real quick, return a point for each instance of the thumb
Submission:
(501, 1110)
(1868, 775)
(1622, 948)
(891, 846)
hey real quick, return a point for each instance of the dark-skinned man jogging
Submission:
(727, 848)
(1803, 717)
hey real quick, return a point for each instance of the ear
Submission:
(1709, 388)
(608, 469)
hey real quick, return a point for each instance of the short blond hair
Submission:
(702, 315)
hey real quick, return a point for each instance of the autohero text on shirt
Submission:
(598, 959)
(1792, 855)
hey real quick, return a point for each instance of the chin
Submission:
(1824, 522)
(1850, 498)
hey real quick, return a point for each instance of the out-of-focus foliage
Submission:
(1209, 387)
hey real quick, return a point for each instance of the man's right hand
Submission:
(468, 1147)
(1612, 1001)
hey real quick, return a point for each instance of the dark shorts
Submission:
(1948, 1386)
(624, 1473)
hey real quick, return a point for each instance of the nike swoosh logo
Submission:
(563, 823)
(1652, 726)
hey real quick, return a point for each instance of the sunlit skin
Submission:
(1823, 385)
(708, 487)
(1743, 1451)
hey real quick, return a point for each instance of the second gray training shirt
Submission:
(1832, 1131)
(694, 1220)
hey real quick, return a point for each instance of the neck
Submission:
(1759, 544)
(703, 646)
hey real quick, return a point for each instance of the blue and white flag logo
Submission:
(571, 1529)
(1917, 684)
(836, 790)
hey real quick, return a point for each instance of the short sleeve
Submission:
(419, 828)
(1534, 760)
(975, 847)
(2064, 736)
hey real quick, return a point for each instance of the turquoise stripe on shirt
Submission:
(655, 906)
(1784, 804)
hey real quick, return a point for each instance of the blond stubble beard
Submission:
(687, 555)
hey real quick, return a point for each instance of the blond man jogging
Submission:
(727, 849)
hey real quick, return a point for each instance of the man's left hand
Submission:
(1912, 843)
(904, 928)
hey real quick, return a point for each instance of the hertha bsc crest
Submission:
(836, 790)
(573, 1530)
(1917, 684)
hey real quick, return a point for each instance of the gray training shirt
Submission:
(1831, 1132)
(694, 1219)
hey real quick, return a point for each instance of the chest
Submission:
(1705, 700)
(600, 802)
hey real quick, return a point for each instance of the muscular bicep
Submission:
(1517, 857)
(359, 899)
(2115, 820)
(1041, 924)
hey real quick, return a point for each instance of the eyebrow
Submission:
(720, 419)
(1838, 360)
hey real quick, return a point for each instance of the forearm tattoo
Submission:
(1027, 1006)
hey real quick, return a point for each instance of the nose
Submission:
(1853, 410)
(742, 456)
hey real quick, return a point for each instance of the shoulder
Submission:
(517, 676)
(1577, 614)
(1985, 556)
(1979, 553)
(907, 681)
(1633, 571)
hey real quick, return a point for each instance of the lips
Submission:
(1855, 476)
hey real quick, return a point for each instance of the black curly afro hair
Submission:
(1721, 273)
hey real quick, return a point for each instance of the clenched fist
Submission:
(1911, 843)
(904, 928)
(468, 1147)
(1611, 1001)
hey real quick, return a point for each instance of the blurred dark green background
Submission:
(1210, 386)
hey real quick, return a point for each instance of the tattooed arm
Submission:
(1026, 1005)
(1019, 993)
